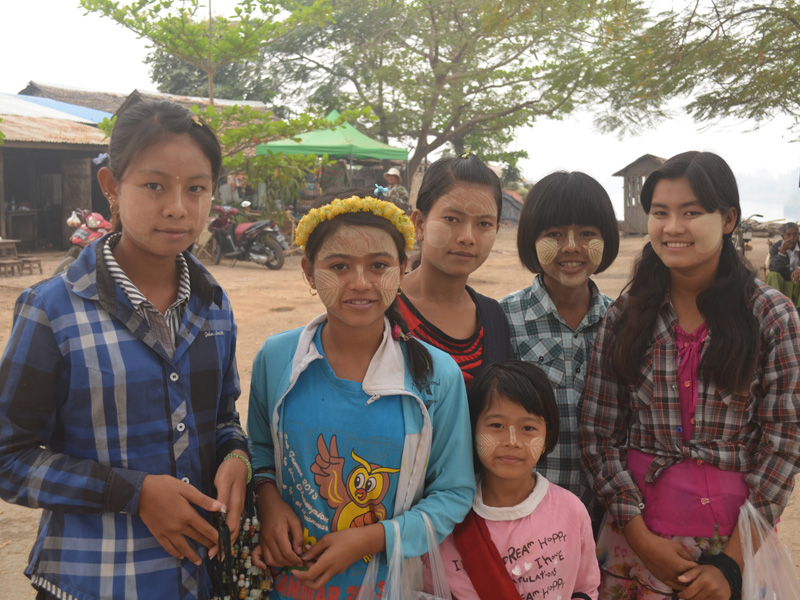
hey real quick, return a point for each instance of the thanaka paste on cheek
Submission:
(536, 448)
(596, 248)
(485, 444)
(707, 232)
(546, 250)
(328, 285)
(388, 285)
(438, 234)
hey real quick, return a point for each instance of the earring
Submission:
(312, 291)
(419, 237)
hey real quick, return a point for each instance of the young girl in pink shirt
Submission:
(524, 536)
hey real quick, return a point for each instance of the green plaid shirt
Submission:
(539, 334)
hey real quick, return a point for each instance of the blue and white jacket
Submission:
(436, 473)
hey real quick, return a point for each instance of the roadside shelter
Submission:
(46, 168)
(634, 218)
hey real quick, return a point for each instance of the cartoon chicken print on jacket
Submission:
(358, 501)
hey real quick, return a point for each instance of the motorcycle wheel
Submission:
(216, 250)
(72, 254)
(277, 260)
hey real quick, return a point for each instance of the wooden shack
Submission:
(634, 218)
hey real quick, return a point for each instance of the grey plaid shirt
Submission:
(539, 334)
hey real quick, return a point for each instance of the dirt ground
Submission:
(266, 302)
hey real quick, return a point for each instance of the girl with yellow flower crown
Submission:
(353, 423)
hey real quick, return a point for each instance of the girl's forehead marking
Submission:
(472, 200)
(357, 240)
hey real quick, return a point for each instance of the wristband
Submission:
(729, 569)
(264, 480)
(245, 460)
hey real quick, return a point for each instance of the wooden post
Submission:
(76, 190)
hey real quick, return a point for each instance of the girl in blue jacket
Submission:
(352, 422)
(119, 382)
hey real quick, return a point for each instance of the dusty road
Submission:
(266, 302)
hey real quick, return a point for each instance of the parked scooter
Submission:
(90, 227)
(260, 242)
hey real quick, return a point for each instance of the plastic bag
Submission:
(769, 572)
(404, 578)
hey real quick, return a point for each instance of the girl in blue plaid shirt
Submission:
(691, 404)
(118, 384)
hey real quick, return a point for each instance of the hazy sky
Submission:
(51, 41)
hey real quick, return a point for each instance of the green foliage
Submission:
(466, 73)
(241, 80)
(107, 125)
(207, 43)
(729, 58)
(2, 137)
(215, 45)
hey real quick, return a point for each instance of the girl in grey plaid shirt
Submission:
(691, 401)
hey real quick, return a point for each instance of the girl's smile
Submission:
(684, 234)
(568, 256)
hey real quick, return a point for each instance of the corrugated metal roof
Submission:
(95, 116)
(11, 104)
(24, 128)
(105, 101)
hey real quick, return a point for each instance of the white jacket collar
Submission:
(386, 372)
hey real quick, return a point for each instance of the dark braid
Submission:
(420, 364)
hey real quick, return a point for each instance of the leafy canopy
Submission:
(466, 73)
(726, 58)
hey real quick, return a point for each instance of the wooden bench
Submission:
(28, 261)
(8, 265)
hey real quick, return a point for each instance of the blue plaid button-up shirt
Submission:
(540, 335)
(90, 403)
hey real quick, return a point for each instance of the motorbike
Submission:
(260, 242)
(90, 226)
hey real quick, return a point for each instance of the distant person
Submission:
(567, 232)
(119, 382)
(784, 263)
(457, 219)
(398, 194)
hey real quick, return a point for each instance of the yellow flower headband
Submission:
(355, 204)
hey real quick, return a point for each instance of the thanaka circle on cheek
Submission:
(536, 448)
(546, 250)
(389, 284)
(328, 285)
(596, 248)
(485, 444)
(438, 234)
(707, 231)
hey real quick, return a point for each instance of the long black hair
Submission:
(726, 305)
(420, 364)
